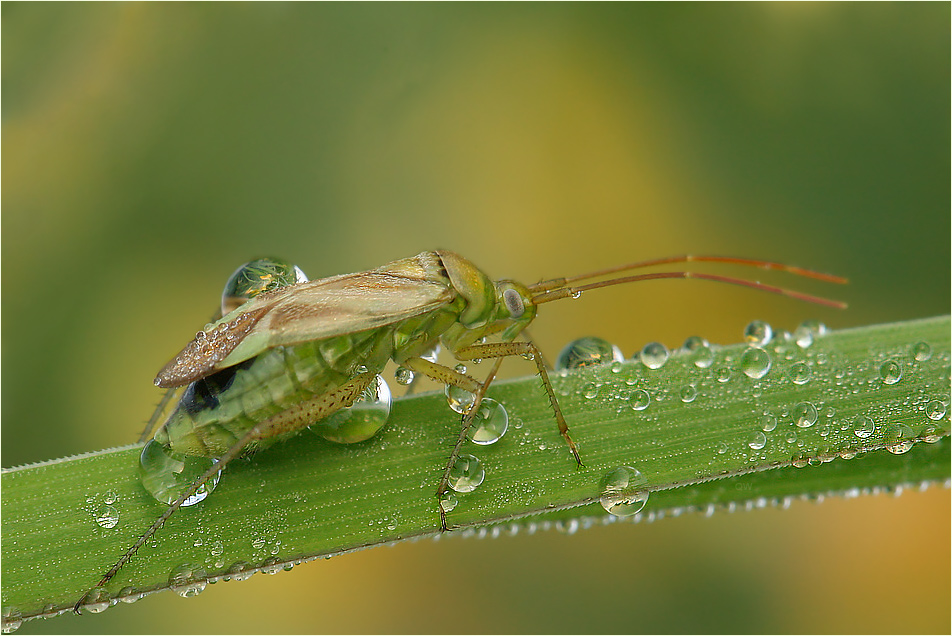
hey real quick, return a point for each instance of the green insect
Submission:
(289, 354)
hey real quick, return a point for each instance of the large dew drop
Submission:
(758, 333)
(460, 400)
(489, 424)
(587, 352)
(166, 474)
(360, 421)
(890, 371)
(755, 363)
(620, 494)
(804, 414)
(256, 277)
(653, 355)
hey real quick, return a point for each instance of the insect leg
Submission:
(297, 416)
(528, 350)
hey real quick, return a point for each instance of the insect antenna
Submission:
(557, 288)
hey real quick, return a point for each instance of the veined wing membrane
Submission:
(309, 311)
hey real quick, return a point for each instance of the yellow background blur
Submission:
(149, 149)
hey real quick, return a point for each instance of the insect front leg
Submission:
(530, 351)
(291, 419)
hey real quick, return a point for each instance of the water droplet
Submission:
(890, 371)
(188, 580)
(448, 502)
(899, 439)
(799, 461)
(722, 374)
(693, 343)
(721, 448)
(258, 543)
(576, 295)
(587, 352)
(256, 277)
(816, 327)
(803, 336)
(863, 427)
(590, 390)
(790, 436)
(804, 414)
(239, 571)
(768, 422)
(639, 400)
(404, 376)
(757, 440)
(935, 410)
(361, 420)
(688, 393)
(489, 424)
(799, 373)
(167, 474)
(921, 351)
(97, 600)
(653, 355)
(12, 620)
(620, 495)
(217, 548)
(702, 357)
(433, 354)
(271, 565)
(110, 497)
(755, 363)
(459, 399)
(107, 517)
(129, 594)
(930, 435)
(466, 474)
(758, 333)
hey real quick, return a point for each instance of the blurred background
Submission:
(149, 149)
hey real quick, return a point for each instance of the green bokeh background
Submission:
(149, 149)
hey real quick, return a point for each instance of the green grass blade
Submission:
(65, 522)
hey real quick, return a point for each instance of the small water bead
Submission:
(129, 594)
(768, 422)
(587, 352)
(935, 410)
(799, 373)
(755, 363)
(639, 400)
(460, 400)
(757, 440)
(688, 393)
(97, 600)
(790, 436)
(921, 351)
(620, 496)
(799, 461)
(590, 391)
(890, 371)
(107, 517)
(188, 580)
(361, 420)
(239, 571)
(653, 355)
(271, 565)
(256, 277)
(804, 414)
(167, 474)
(722, 448)
(863, 427)
(930, 435)
(803, 337)
(758, 333)
(448, 502)
(489, 424)
(404, 376)
(817, 328)
(12, 620)
(110, 497)
(722, 374)
(466, 474)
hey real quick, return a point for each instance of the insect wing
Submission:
(313, 311)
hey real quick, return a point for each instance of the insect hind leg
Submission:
(296, 417)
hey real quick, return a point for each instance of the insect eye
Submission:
(514, 304)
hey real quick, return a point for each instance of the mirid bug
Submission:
(297, 353)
